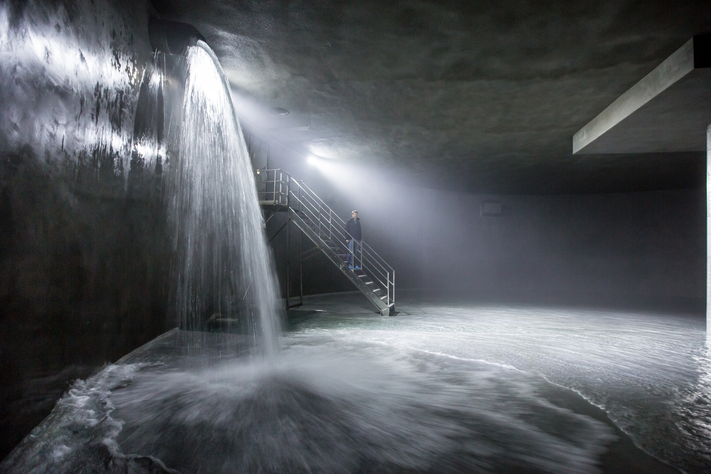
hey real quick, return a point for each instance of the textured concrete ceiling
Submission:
(477, 96)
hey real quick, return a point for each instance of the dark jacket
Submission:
(353, 229)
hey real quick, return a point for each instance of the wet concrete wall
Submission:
(619, 247)
(82, 223)
(616, 246)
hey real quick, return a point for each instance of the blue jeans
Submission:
(352, 251)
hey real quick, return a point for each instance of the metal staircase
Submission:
(371, 273)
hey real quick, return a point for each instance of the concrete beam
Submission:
(666, 111)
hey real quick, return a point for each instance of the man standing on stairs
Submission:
(353, 238)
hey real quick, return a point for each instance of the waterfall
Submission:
(222, 265)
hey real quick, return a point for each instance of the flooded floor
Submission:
(444, 387)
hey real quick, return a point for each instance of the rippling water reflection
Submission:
(650, 372)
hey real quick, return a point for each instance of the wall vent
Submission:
(491, 209)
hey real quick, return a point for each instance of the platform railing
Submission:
(272, 187)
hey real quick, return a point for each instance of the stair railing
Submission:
(329, 225)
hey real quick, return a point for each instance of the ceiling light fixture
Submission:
(280, 111)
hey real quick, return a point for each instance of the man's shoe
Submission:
(350, 266)
(357, 267)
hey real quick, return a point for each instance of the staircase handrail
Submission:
(321, 202)
(369, 263)
(335, 224)
(340, 228)
(341, 233)
(341, 221)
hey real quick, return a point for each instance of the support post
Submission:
(708, 228)
(301, 268)
(301, 258)
(288, 252)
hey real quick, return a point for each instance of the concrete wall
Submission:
(82, 228)
(647, 244)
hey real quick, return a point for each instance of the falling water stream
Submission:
(223, 267)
